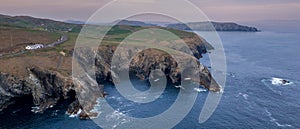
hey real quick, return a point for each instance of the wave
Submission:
(35, 109)
(75, 115)
(181, 87)
(230, 74)
(117, 117)
(245, 96)
(55, 113)
(187, 79)
(270, 86)
(274, 120)
(15, 111)
(274, 84)
(156, 80)
(280, 81)
(200, 89)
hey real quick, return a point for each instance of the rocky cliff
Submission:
(141, 65)
(47, 86)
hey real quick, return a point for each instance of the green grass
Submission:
(54, 35)
(116, 35)
(71, 41)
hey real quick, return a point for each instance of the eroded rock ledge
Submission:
(47, 87)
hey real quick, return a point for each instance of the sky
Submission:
(216, 10)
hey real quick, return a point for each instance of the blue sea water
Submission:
(250, 100)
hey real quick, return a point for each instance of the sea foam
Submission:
(274, 120)
(200, 89)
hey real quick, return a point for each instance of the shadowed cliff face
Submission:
(11, 87)
(47, 87)
(152, 59)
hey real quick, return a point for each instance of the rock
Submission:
(285, 81)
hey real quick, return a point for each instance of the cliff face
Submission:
(143, 63)
(11, 87)
(151, 59)
(47, 86)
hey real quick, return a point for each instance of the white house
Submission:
(35, 46)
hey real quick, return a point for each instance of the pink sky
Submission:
(217, 10)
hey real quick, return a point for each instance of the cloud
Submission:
(251, 10)
(205, 3)
(141, 1)
(220, 10)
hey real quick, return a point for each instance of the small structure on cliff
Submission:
(35, 46)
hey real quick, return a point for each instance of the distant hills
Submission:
(212, 26)
(75, 26)
(133, 23)
(37, 23)
(74, 22)
(199, 26)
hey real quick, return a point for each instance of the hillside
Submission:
(133, 23)
(37, 23)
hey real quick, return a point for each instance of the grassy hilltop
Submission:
(19, 31)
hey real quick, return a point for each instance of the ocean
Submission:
(253, 96)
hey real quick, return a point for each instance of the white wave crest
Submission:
(245, 96)
(76, 115)
(280, 81)
(200, 89)
(181, 87)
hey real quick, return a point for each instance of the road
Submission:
(60, 41)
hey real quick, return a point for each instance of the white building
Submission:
(35, 46)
